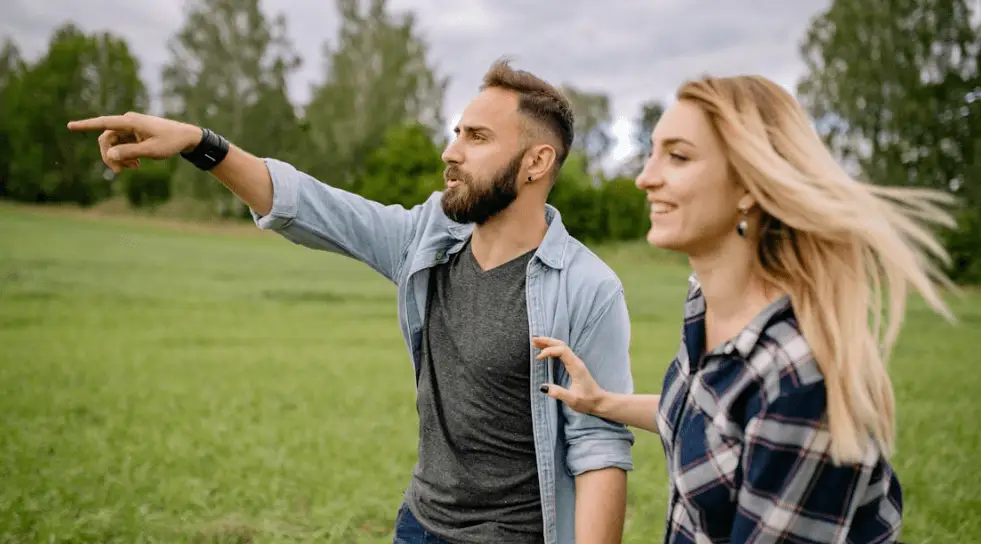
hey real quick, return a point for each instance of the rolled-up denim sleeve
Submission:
(604, 346)
(315, 215)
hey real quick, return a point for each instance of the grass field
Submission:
(162, 384)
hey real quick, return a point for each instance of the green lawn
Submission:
(162, 384)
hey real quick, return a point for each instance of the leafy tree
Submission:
(228, 71)
(650, 113)
(406, 169)
(11, 70)
(79, 76)
(593, 125)
(893, 87)
(377, 77)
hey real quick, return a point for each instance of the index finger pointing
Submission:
(106, 122)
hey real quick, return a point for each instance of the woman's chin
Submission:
(662, 240)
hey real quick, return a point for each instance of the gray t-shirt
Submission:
(476, 479)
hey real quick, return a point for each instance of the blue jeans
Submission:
(409, 531)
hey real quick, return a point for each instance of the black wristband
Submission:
(209, 153)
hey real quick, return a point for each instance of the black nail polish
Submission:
(544, 388)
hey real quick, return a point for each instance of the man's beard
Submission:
(474, 202)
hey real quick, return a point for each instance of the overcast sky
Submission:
(632, 49)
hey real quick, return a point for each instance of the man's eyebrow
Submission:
(472, 129)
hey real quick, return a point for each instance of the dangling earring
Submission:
(743, 224)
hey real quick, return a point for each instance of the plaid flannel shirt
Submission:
(747, 451)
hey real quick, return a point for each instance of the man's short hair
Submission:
(537, 99)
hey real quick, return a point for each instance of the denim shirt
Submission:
(572, 296)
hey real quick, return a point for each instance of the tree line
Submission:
(893, 86)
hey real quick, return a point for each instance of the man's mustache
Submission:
(453, 172)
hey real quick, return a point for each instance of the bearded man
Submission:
(482, 268)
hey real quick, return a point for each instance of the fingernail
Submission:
(543, 388)
(113, 154)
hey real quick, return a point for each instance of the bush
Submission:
(149, 185)
(625, 214)
(964, 247)
(614, 210)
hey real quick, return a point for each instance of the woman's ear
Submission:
(747, 202)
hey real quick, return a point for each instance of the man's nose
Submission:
(452, 153)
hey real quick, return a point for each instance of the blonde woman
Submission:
(777, 414)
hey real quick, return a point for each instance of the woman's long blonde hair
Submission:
(834, 244)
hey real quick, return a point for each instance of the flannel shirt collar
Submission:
(743, 343)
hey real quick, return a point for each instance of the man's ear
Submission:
(539, 161)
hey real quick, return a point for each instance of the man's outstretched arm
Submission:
(247, 177)
(283, 199)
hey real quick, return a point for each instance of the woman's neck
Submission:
(734, 293)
